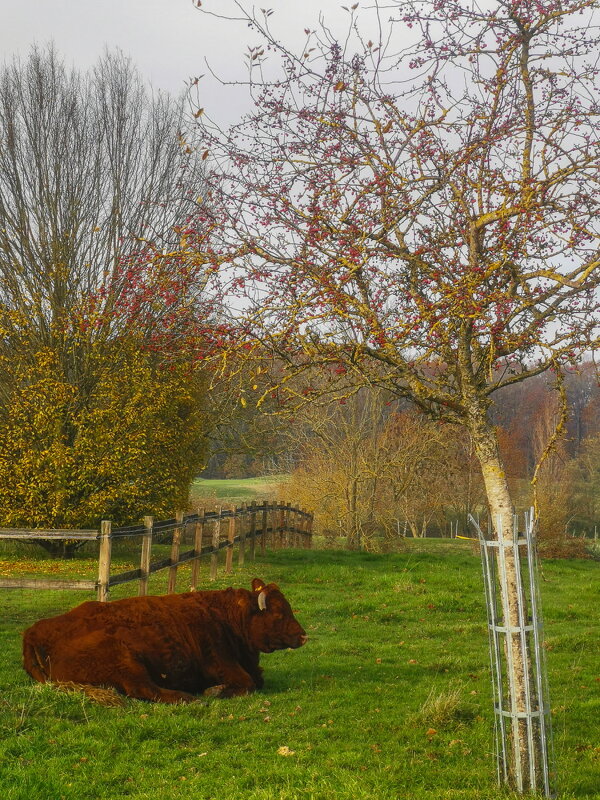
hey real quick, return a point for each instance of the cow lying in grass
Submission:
(168, 648)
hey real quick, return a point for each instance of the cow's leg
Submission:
(139, 689)
(231, 680)
(134, 680)
(214, 691)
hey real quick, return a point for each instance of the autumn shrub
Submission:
(556, 507)
(374, 472)
(586, 485)
(123, 441)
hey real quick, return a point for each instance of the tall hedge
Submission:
(128, 443)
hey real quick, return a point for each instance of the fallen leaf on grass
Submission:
(285, 751)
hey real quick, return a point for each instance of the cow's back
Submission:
(133, 619)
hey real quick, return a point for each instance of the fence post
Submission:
(198, 536)
(265, 526)
(302, 531)
(175, 553)
(309, 531)
(243, 528)
(216, 539)
(301, 527)
(296, 525)
(253, 530)
(145, 557)
(289, 526)
(230, 538)
(271, 527)
(104, 560)
(282, 518)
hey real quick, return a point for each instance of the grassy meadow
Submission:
(226, 491)
(389, 699)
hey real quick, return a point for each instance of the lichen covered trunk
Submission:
(519, 668)
(494, 478)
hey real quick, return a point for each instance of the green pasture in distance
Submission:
(236, 490)
(389, 699)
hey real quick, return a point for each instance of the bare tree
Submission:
(96, 185)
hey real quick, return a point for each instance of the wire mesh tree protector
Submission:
(522, 720)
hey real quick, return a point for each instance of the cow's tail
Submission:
(35, 658)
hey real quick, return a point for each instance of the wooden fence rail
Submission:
(210, 532)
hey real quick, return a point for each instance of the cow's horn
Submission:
(262, 601)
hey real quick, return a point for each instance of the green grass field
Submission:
(389, 699)
(231, 490)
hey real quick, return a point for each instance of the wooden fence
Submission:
(210, 532)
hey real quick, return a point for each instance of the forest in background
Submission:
(374, 469)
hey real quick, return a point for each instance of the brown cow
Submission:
(167, 648)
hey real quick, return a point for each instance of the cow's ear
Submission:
(258, 585)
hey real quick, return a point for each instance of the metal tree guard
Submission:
(517, 718)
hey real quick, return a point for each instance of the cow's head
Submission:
(273, 625)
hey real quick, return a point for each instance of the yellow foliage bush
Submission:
(116, 444)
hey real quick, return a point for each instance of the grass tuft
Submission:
(447, 709)
(98, 694)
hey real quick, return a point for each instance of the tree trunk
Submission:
(60, 548)
(518, 661)
(353, 533)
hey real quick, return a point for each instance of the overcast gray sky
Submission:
(168, 40)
